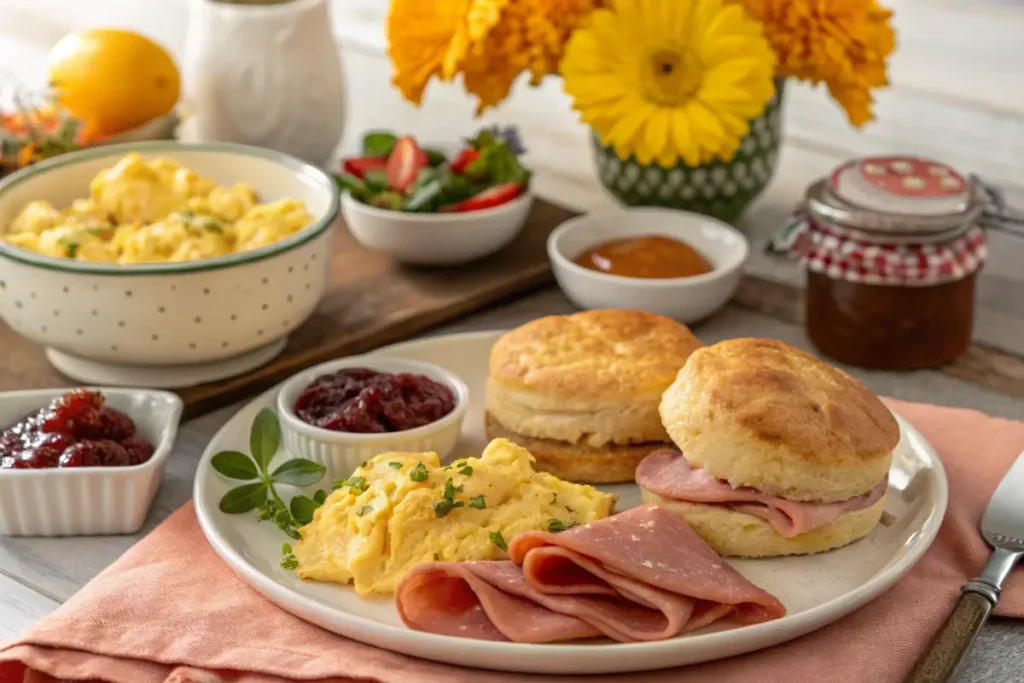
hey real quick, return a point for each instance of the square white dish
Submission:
(84, 501)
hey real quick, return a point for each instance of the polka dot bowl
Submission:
(169, 314)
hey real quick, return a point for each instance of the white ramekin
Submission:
(86, 501)
(687, 299)
(342, 452)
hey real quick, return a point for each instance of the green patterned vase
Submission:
(722, 189)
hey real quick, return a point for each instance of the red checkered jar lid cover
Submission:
(891, 221)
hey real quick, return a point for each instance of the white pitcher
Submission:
(268, 75)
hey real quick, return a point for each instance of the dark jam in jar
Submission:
(890, 328)
(367, 401)
(75, 430)
(892, 249)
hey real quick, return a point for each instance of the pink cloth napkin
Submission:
(169, 611)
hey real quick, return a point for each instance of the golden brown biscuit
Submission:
(608, 464)
(594, 377)
(737, 534)
(760, 413)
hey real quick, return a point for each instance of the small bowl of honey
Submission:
(674, 263)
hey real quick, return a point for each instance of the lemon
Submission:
(113, 80)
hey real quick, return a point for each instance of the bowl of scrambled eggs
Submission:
(163, 253)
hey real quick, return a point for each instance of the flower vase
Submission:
(267, 75)
(722, 189)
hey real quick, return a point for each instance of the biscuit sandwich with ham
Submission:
(779, 453)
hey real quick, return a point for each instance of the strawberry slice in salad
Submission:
(397, 173)
(488, 199)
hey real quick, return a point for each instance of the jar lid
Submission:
(896, 199)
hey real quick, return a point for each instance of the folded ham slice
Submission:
(668, 474)
(640, 575)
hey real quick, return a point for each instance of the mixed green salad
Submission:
(396, 173)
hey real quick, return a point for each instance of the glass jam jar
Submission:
(892, 248)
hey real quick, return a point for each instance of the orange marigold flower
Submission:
(490, 42)
(842, 43)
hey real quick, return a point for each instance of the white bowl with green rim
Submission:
(168, 324)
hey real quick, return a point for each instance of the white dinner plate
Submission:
(816, 589)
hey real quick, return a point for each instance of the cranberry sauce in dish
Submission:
(75, 430)
(365, 401)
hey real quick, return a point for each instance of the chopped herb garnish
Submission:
(499, 540)
(69, 244)
(467, 470)
(395, 465)
(436, 557)
(289, 562)
(213, 226)
(556, 525)
(443, 507)
(419, 473)
(187, 213)
(450, 489)
(366, 509)
(286, 549)
(356, 484)
(364, 464)
(96, 230)
(477, 503)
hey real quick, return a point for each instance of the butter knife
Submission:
(1003, 528)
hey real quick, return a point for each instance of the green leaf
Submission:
(320, 496)
(499, 540)
(421, 198)
(365, 510)
(289, 562)
(395, 465)
(376, 180)
(467, 470)
(435, 157)
(302, 509)
(347, 181)
(445, 506)
(378, 143)
(299, 472)
(389, 200)
(244, 498)
(477, 503)
(556, 526)
(235, 465)
(286, 549)
(264, 438)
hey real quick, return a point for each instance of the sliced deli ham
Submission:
(640, 575)
(668, 474)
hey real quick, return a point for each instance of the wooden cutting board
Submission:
(371, 301)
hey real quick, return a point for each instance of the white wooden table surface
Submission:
(959, 97)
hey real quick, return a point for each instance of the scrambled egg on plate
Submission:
(153, 210)
(401, 509)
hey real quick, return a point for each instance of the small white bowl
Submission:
(87, 501)
(436, 238)
(342, 452)
(686, 299)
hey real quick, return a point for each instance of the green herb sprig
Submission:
(261, 495)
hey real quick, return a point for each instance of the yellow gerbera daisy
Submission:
(842, 43)
(666, 80)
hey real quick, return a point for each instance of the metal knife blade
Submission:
(1002, 526)
(1003, 523)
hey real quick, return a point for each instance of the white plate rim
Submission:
(586, 658)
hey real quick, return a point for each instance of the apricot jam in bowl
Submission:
(346, 411)
(85, 461)
(674, 263)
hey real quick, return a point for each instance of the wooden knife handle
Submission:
(947, 650)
